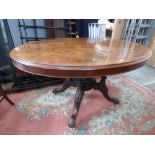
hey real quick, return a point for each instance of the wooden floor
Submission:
(144, 76)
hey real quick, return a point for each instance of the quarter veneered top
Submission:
(79, 54)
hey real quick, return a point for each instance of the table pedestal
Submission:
(84, 84)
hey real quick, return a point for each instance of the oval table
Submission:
(80, 61)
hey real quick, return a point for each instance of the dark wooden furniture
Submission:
(3, 96)
(4, 71)
(80, 60)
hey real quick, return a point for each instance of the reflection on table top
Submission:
(80, 52)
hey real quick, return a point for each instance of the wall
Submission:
(13, 25)
(151, 61)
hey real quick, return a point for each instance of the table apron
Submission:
(76, 73)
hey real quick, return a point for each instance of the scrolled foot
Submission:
(114, 100)
(56, 90)
(104, 89)
(71, 123)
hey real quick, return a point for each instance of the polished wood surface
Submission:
(79, 57)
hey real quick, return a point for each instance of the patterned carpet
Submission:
(41, 112)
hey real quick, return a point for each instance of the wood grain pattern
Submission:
(79, 57)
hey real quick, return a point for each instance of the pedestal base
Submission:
(84, 84)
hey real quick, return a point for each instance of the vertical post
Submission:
(24, 26)
(35, 29)
(19, 26)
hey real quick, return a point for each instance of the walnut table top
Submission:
(79, 57)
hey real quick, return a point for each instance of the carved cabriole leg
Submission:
(67, 83)
(104, 89)
(77, 102)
